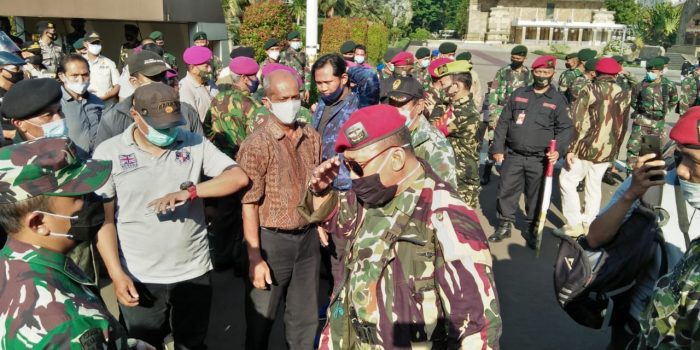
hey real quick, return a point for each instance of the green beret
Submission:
(571, 55)
(270, 43)
(422, 52)
(199, 36)
(655, 63)
(293, 35)
(666, 59)
(447, 47)
(464, 56)
(520, 50)
(590, 65)
(390, 53)
(619, 59)
(348, 47)
(78, 44)
(156, 35)
(587, 54)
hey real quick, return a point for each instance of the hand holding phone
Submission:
(652, 144)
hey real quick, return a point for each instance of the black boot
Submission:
(531, 237)
(608, 177)
(503, 231)
(486, 176)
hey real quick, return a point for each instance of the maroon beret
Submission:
(687, 130)
(369, 125)
(403, 58)
(547, 61)
(608, 65)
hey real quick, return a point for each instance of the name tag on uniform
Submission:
(521, 118)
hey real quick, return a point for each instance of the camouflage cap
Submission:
(48, 166)
(454, 67)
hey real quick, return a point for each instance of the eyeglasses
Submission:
(359, 168)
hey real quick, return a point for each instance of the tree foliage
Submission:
(337, 30)
(658, 24)
(626, 11)
(262, 21)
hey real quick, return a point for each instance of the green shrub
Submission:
(377, 42)
(560, 48)
(614, 47)
(421, 34)
(358, 31)
(337, 30)
(262, 21)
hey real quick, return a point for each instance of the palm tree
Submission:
(298, 9)
(659, 23)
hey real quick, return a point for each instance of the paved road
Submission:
(531, 317)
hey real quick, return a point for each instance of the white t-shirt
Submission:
(160, 248)
(103, 76)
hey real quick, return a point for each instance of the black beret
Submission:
(390, 53)
(244, 51)
(447, 47)
(293, 35)
(422, 52)
(29, 97)
(270, 43)
(520, 50)
(571, 55)
(464, 56)
(348, 46)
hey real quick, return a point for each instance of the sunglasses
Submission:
(359, 168)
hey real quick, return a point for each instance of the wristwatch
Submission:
(190, 187)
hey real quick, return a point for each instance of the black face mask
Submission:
(15, 76)
(35, 60)
(89, 221)
(516, 64)
(371, 192)
(542, 82)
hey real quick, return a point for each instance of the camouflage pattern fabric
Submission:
(566, 79)
(49, 303)
(432, 146)
(626, 80)
(216, 65)
(671, 320)
(690, 92)
(230, 119)
(506, 81)
(600, 115)
(462, 127)
(673, 97)
(297, 60)
(418, 273)
(573, 92)
(650, 102)
(437, 103)
(170, 60)
(422, 75)
(52, 55)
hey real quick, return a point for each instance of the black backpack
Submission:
(594, 286)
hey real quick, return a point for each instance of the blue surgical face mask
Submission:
(296, 45)
(691, 193)
(54, 129)
(650, 76)
(161, 137)
(334, 96)
(253, 86)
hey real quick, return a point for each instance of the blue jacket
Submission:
(339, 115)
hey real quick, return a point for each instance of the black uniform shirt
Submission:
(529, 121)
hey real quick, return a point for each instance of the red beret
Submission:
(608, 65)
(437, 63)
(687, 130)
(403, 58)
(547, 61)
(271, 67)
(242, 65)
(369, 125)
(197, 55)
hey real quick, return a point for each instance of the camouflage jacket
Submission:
(626, 80)
(671, 319)
(48, 302)
(462, 125)
(52, 55)
(422, 75)
(437, 103)
(572, 93)
(566, 79)
(298, 61)
(504, 83)
(690, 92)
(418, 272)
(600, 116)
(170, 60)
(653, 100)
(432, 146)
(230, 119)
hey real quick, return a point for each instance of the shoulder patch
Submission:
(549, 105)
(521, 99)
(93, 339)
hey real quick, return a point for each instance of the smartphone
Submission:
(652, 144)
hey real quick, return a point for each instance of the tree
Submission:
(658, 24)
(298, 8)
(626, 11)
(262, 21)
(428, 14)
(233, 11)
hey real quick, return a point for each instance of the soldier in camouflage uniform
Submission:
(436, 103)
(201, 39)
(428, 142)
(51, 53)
(421, 67)
(572, 71)
(651, 101)
(418, 270)
(568, 77)
(475, 90)
(48, 302)
(625, 79)
(582, 81)
(131, 33)
(461, 127)
(295, 57)
(690, 91)
(600, 115)
(169, 58)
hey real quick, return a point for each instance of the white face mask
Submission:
(274, 55)
(425, 63)
(287, 111)
(691, 192)
(296, 45)
(359, 59)
(78, 88)
(94, 49)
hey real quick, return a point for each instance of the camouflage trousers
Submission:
(468, 180)
(633, 144)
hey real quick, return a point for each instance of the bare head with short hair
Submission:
(280, 85)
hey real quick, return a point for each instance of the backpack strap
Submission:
(682, 213)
